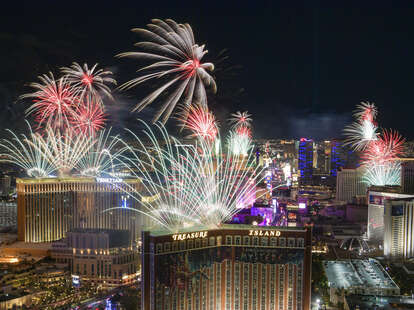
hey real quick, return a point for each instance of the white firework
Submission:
(176, 60)
(24, 152)
(64, 149)
(360, 134)
(92, 82)
(102, 157)
(239, 143)
(382, 174)
(191, 184)
(240, 119)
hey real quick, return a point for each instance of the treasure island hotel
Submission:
(50, 207)
(233, 267)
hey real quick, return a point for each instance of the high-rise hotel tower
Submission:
(48, 208)
(235, 267)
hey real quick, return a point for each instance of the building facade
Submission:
(377, 196)
(104, 258)
(399, 228)
(349, 184)
(305, 161)
(8, 213)
(407, 177)
(48, 208)
(239, 267)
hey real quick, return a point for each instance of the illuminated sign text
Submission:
(270, 233)
(193, 235)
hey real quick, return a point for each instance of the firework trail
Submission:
(239, 142)
(200, 121)
(101, 158)
(387, 173)
(193, 186)
(176, 59)
(86, 82)
(53, 101)
(24, 151)
(63, 150)
(240, 119)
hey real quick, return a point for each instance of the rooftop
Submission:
(226, 226)
(357, 272)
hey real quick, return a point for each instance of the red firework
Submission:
(53, 101)
(200, 121)
(88, 118)
(387, 148)
(244, 131)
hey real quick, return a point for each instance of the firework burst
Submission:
(53, 101)
(366, 111)
(363, 130)
(239, 142)
(387, 173)
(87, 82)
(192, 185)
(24, 151)
(387, 148)
(240, 119)
(177, 59)
(63, 150)
(87, 118)
(200, 121)
(101, 157)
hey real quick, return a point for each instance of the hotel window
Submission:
(182, 245)
(229, 240)
(190, 244)
(282, 241)
(167, 247)
(159, 247)
(174, 246)
(218, 240)
(291, 242)
(255, 240)
(204, 242)
(237, 240)
(301, 242)
(264, 241)
(212, 241)
(246, 240)
(273, 241)
(197, 243)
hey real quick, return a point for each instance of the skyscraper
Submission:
(349, 184)
(305, 161)
(407, 177)
(377, 196)
(232, 267)
(399, 228)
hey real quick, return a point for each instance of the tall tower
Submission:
(305, 159)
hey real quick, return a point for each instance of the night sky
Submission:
(299, 70)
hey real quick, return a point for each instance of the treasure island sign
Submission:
(204, 234)
(193, 235)
(270, 233)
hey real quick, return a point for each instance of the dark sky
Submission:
(303, 67)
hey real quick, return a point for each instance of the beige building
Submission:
(102, 258)
(47, 208)
(349, 184)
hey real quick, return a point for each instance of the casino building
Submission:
(48, 208)
(377, 196)
(233, 267)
